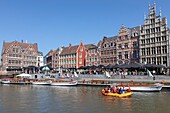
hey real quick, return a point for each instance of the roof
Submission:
(69, 50)
(49, 53)
(90, 46)
(137, 28)
(7, 45)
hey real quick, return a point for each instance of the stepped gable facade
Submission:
(154, 39)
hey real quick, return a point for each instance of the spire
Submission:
(144, 16)
(160, 12)
(154, 7)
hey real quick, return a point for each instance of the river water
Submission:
(79, 99)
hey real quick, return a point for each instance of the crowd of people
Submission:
(116, 89)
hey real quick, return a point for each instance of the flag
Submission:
(149, 73)
(107, 74)
(75, 74)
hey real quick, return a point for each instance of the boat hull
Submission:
(126, 94)
(64, 84)
(42, 83)
(146, 88)
(5, 82)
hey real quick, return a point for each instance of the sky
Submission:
(55, 23)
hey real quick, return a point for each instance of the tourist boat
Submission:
(5, 82)
(155, 88)
(123, 95)
(64, 83)
(145, 87)
(42, 83)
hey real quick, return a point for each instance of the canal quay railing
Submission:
(102, 76)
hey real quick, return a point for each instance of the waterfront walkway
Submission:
(128, 78)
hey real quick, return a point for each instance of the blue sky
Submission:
(56, 23)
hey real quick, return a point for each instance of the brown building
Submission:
(107, 51)
(120, 49)
(52, 58)
(127, 45)
(16, 55)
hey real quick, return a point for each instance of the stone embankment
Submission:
(128, 78)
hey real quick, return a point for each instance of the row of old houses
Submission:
(147, 43)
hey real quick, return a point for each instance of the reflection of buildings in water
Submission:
(123, 104)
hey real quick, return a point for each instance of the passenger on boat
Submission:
(113, 90)
(120, 90)
(128, 90)
(106, 89)
(123, 89)
(117, 89)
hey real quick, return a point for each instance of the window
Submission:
(143, 51)
(126, 45)
(164, 50)
(81, 49)
(126, 37)
(158, 50)
(126, 54)
(80, 61)
(134, 54)
(119, 46)
(153, 50)
(147, 51)
(135, 44)
(120, 55)
(80, 55)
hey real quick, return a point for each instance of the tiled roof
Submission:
(49, 53)
(6, 45)
(69, 50)
(88, 46)
(111, 38)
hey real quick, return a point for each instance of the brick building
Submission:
(73, 56)
(120, 49)
(127, 46)
(16, 55)
(92, 55)
(107, 51)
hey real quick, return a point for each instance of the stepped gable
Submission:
(69, 50)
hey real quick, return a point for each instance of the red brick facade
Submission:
(16, 55)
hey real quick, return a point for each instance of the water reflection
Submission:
(36, 99)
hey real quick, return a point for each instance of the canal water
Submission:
(80, 99)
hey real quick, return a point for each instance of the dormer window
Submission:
(111, 44)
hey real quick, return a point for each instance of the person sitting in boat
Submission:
(123, 89)
(113, 90)
(106, 89)
(128, 90)
(120, 91)
(117, 89)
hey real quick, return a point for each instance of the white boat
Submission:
(5, 82)
(42, 83)
(154, 88)
(72, 83)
